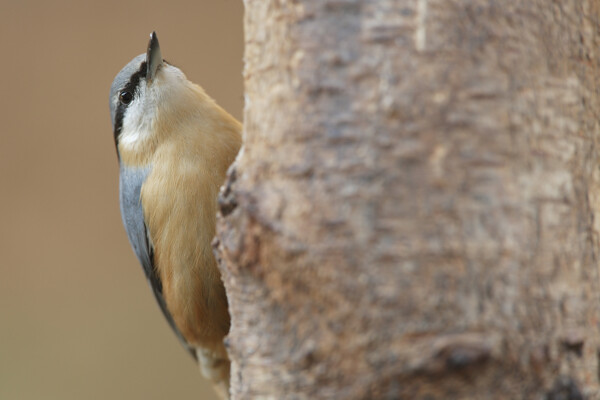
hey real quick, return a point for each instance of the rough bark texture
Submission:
(413, 212)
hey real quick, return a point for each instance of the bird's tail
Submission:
(214, 365)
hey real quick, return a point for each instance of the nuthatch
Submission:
(174, 145)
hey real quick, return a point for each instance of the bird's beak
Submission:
(153, 57)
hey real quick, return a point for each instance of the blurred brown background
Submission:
(77, 318)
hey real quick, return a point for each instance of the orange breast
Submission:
(179, 200)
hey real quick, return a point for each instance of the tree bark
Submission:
(412, 216)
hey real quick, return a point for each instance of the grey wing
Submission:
(130, 184)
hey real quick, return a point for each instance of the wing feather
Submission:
(130, 184)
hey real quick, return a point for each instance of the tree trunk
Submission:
(412, 215)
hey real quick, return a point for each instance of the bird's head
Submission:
(153, 103)
(142, 93)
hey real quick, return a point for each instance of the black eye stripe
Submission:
(131, 87)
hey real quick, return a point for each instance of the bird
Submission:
(174, 146)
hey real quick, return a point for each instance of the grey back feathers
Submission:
(130, 184)
(131, 180)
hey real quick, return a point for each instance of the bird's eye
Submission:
(125, 97)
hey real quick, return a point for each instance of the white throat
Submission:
(141, 115)
(139, 118)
